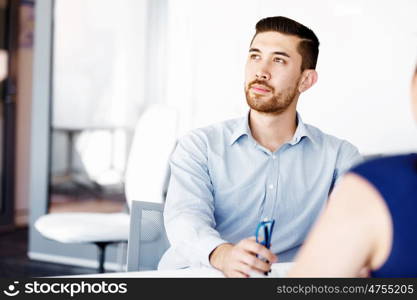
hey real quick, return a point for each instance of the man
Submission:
(227, 177)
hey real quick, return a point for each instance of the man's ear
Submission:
(308, 79)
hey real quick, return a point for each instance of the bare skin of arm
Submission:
(240, 260)
(354, 232)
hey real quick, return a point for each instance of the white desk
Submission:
(278, 270)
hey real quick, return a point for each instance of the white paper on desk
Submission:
(277, 270)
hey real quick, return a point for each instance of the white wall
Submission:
(99, 48)
(367, 55)
(98, 81)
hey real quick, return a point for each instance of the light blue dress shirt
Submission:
(223, 183)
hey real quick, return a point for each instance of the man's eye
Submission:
(279, 60)
(255, 56)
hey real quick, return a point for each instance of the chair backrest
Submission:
(147, 169)
(147, 237)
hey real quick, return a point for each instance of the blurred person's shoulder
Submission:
(400, 162)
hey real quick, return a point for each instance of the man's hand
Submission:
(240, 260)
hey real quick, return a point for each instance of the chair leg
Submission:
(101, 255)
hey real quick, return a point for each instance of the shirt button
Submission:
(271, 186)
(274, 157)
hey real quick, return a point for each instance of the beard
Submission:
(274, 102)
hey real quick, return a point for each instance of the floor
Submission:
(14, 262)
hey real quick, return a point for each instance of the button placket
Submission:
(275, 204)
(271, 187)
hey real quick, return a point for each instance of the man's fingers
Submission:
(237, 274)
(243, 259)
(252, 246)
(240, 269)
(255, 263)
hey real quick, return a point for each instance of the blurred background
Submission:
(77, 75)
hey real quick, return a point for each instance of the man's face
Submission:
(272, 72)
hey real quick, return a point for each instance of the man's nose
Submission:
(263, 74)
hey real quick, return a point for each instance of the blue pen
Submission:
(267, 226)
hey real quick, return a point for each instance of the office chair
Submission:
(146, 247)
(146, 179)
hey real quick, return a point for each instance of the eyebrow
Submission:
(275, 52)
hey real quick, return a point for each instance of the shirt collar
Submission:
(300, 132)
(242, 129)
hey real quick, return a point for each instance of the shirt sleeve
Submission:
(189, 209)
(348, 157)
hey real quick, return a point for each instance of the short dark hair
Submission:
(309, 44)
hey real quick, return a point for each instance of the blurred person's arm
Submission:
(354, 232)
